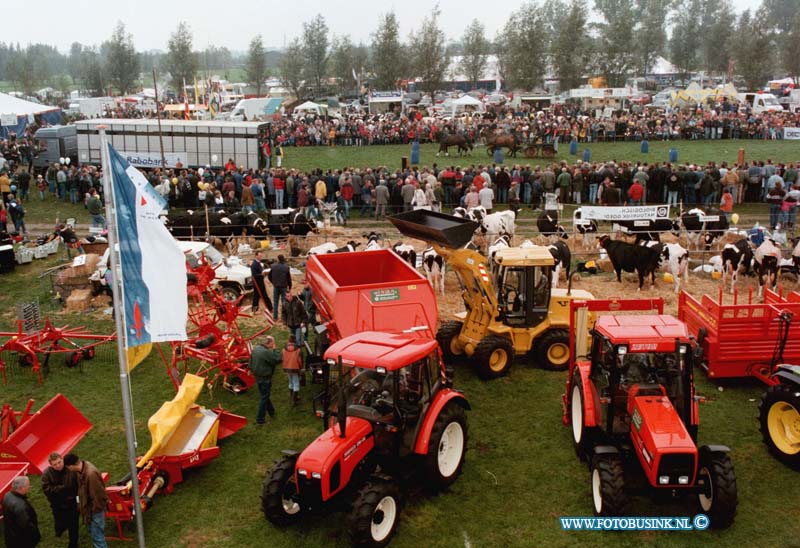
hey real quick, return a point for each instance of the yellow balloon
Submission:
(735, 218)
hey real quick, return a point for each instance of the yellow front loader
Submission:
(510, 309)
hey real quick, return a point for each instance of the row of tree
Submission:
(551, 37)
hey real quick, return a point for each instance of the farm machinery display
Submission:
(761, 340)
(516, 314)
(404, 421)
(184, 436)
(27, 439)
(217, 348)
(74, 343)
(631, 404)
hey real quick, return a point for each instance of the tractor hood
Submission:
(661, 441)
(329, 461)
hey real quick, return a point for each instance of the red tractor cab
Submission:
(631, 402)
(397, 417)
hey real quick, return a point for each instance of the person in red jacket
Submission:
(279, 182)
(347, 196)
(635, 193)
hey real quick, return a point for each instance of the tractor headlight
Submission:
(302, 472)
(683, 480)
(331, 362)
(381, 370)
(622, 350)
(663, 480)
(683, 349)
(316, 475)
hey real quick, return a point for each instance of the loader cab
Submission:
(523, 280)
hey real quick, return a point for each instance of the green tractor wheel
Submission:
(493, 356)
(552, 350)
(779, 418)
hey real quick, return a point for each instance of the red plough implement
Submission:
(75, 343)
(27, 439)
(745, 339)
(215, 340)
(184, 436)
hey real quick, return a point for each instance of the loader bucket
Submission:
(435, 228)
(57, 427)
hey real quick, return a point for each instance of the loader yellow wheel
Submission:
(552, 350)
(780, 423)
(558, 353)
(493, 356)
(498, 360)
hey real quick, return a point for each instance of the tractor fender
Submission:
(606, 450)
(788, 375)
(714, 449)
(442, 398)
(589, 395)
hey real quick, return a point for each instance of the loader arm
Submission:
(477, 288)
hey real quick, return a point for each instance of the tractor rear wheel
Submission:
(719, 498)
(779, 416)
(446, 447)
(494, 356)
(608, 486)
(582, 436)
(447, 338)
(277, 492)
(375, 513)
(552, 350)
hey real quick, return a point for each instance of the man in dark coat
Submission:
(60, 486)
(259, 287)
(263, 361)
(92, 497)
(281, 278)
(21, 524)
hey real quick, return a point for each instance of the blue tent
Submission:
(26, 112)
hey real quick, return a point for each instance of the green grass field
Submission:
(520, 476)
(688, 151)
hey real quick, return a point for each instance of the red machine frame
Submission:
(48, 341)
(741, 337)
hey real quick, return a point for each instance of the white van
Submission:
(762, 102)
(253, 109)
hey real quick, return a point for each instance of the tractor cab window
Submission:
(541, 287)
(512, 291)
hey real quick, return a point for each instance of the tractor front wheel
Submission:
(446, 447)
(279, 491)
(582, 436)
(494, 356)
(717, 497)
(553, 350)
(375, 513)
(608, 486)
(447, 337)
(779, 415)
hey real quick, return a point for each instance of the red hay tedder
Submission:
(758, 340)
(75, 343)
(27, 439)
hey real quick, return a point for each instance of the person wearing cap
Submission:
(41, 186)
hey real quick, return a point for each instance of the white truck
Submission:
(90, 106)
(761, 102)
(791, 102)
(187, 143)
(249, 109)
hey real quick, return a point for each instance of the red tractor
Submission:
(631, 401)
(397, 418)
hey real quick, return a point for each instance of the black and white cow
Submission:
(476, 213)
(498, 224)
(501, 242)
(562, 257)
(331, 247)
(736, 257)
(672, 258)
(435, 268)
(406, 252)
(641, 259)
(587, 228)
(548, 226)
(767, 259)
(648, 230)
(692, 221)
(374, 240)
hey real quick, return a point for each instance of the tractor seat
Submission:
(367, 413)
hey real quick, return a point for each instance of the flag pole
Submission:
(119, 319)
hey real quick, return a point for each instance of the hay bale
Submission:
(89, 265)
(79, 300)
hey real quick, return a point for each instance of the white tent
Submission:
(309, 106)
(16, 114)
(466, 101)
(13, 105)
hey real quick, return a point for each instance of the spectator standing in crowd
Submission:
(486, 197)
(635, 193)
(563, 183)
(259, 287)
(263, 360)
(92, 498)
(95, 208)
(382, 197)
(281, 278)
(20, 522)
(726, 204)
(60, 486)
(295, 316)
(293, 366)
(407, 193)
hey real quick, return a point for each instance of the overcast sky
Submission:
(233, 23)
